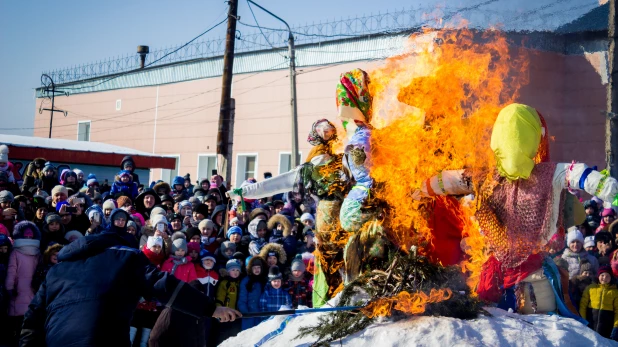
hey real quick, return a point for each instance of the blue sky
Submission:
(40, 35)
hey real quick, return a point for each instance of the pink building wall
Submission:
(566, 90)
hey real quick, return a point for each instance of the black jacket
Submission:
(133, 174)
(88, 298)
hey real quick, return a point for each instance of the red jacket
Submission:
(155, 259)
(184, 272)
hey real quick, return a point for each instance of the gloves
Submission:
(614, 335)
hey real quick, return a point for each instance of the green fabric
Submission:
(320, 286)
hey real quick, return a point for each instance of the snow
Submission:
(503, 329)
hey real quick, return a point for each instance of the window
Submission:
(83, 131)
(205, 164)
(246, 167)
(118, 104)
(168, 175)
(285, 161)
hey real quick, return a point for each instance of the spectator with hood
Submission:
(33, 173)
(146, 201)
(48, 178)
(128, 164)
(188, 186)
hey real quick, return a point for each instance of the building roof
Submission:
(81, 152)
(595, 20)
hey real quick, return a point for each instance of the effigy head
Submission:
(517, 139)
(322, 131)
(353, 99)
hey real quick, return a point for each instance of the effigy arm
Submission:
(272, 186)
(578, 176)
(447, 182)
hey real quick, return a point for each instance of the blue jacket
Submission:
(130, 189)
(88, 298)
(249, 301)
(272, 299)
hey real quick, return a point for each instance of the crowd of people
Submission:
(253, 256)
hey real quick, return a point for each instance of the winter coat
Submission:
(272, 299)
(575, 260)
(48, 237)
(23, 263)
(208, 279)
(210, 244)
(599, 306)
(130, 189)
(249, 299)
(47, 183)
(300, 290)
(577, 286)
(185, 271)
(31, 174)
(227, 292)
(88, 298)
(219, 209)
(133, 174)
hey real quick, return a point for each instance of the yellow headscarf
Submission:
(515, 140)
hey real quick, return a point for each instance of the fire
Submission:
(434, 109)
(407, 303)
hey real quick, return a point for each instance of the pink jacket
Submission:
(184, 272)
(22, 265)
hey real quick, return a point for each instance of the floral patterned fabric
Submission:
(353, 92)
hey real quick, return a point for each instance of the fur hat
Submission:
(274, 249)
(233, 264)
(274, 273)
(154, 241)
(60, 189)
(55, 248)
(179, 243)
(227, 245)
(280, 219)
(53, 217)
(574, 235)
(162, 185)
(589, 242)
(258, 212)
(121, 201)
(298, 264)
(255, 261)
(25, 229)
(109, 205)
(73, 233)
(6, 196)
(4, 154)
(233, 230)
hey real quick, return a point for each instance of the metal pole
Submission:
(611, 126)
(294, 156)
(223, 153)
(51, 117)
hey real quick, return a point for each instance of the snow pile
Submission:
(503, 329)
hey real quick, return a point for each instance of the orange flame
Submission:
(407, 303)
(434, 109)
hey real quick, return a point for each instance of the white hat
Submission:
(574, 235)
(154, 241)
(72, 233)
(4, 154)
(589, 241)
(307, 216)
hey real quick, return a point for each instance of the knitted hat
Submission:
(60, 189)
(589, 242)
(590, 203)
(206, 224)
(574, 235)
(48, 167)
(179, 243)
(228, 245)
(6, 196)
(183, 204)
(306, 217)
(132, 224)
(109, 205)
(605, 268)
(207, 255)
(233, 264)
(608, 212)
(233, 230)
(4, 154)
(298, 264)
(53, 217)
(157, 219)
(73, 233)
(176, 216)
(125, 173)
(201, 209)
(211, 197)
(585, 266)
(78, 171)
(193, 246)
(274, 273)
(154, 241)
(92, 182)
(157, 211)
(602, 236)
(187, 177)
(121, 201)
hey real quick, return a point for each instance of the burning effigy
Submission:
(444, 197)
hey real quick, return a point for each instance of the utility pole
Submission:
(291, 50)
(50, 87)
(611, 122)
(224, 150)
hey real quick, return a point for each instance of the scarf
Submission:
(178, 261)
(27, 246)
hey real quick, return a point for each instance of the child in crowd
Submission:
(274, 255)
(589, 245)
(194, 236)
(308, 244)
(257, 230)
(307, 220)
(578, 284)
(299, 283)
(123, 183)
(178, 264)
(227, 295)
(599, 305)
(251, 288)
(575, 253)
(234, 234)
(53, 231)
(226, 252)
(23, 262)
(274, 297)
(207, 275)
(154, 250)
(208, 238)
